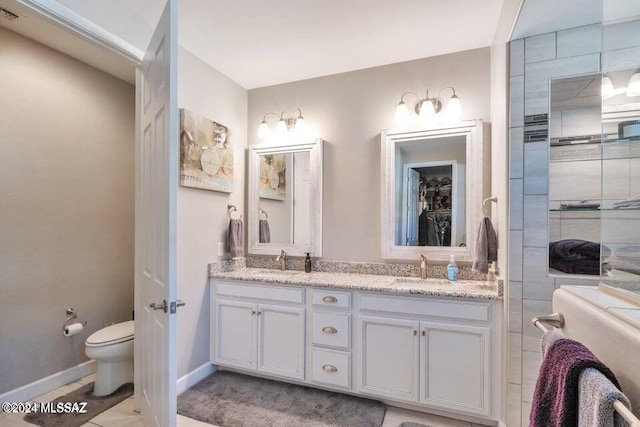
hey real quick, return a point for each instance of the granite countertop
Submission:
(469, 289)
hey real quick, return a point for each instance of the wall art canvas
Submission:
(206, 156)
(273, 183)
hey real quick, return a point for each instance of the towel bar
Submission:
(557, 320)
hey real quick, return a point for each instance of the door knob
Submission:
(162, 306)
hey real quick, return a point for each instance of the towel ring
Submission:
(493, 199)
(266, 216)
(230, 209)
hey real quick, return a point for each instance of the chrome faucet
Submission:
(423, 267)
(281, 259)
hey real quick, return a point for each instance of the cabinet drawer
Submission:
(331, 298)
(332, 329)
(331, 367)
(461, 310)
(267, 292)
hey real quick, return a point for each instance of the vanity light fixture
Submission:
(632, 89)
(285, 124)
(608, 90)
(428, 108)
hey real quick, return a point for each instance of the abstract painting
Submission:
(273, 184)
(206, 156)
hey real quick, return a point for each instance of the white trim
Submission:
(473, 131)
(315, 148)
(47, 384)
(79, 25)
(187, 381)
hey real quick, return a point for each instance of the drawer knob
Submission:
(329, 330)
(329, 368)
(330, 298)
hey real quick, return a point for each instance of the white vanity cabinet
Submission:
(250, 333)
(421, 352)
(433, 351)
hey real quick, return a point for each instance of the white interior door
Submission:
(156, 187)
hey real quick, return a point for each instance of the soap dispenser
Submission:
(452, 269)
(307, 263)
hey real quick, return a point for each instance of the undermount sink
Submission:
(412, 282)
(274, 274)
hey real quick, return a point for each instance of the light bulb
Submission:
(263, 130)
(454, 109)
(281, 128)
(633, 88)
(301, 127)
(427, 111)
(608, 90)
(402, 113)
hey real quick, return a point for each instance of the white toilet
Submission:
(112, 348)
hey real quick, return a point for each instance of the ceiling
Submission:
(576, 92)
(41, 30)
(545, 16)
(261, 43)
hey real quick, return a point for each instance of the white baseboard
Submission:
(187, 381)
(49, 383)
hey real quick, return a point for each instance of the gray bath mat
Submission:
(228, 399)
(95, 405)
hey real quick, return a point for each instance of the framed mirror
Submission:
(285, 199)
(431, 191)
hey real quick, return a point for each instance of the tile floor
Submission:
(122, 415)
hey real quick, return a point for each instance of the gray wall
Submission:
(202, 214)
(67, 203)
(348, 111)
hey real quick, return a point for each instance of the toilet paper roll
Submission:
(72, 329)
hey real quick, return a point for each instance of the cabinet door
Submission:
(455, 366)
(236, 335)
(281, 341)
(390, 357)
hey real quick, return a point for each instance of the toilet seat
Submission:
(114, 334)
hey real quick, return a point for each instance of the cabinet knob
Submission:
(330, 298)
(415, 332)
(253, 312)
(329, 330)
(329, 368)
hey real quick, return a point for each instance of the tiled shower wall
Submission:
(535, 60)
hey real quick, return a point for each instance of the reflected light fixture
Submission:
(608, 90)
(428, 108)
(284, 126)
(633, 88)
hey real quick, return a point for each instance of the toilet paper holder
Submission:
(72, 316)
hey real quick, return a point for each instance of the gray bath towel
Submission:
(235, 238)
(486, 246)
(596, 397)
(548, 339)
(265, 231)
